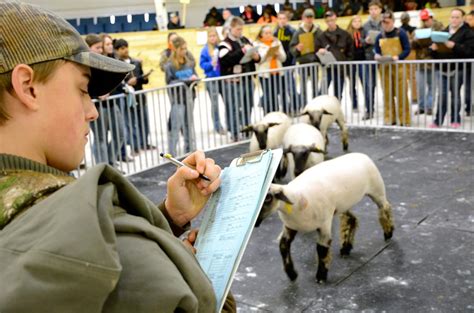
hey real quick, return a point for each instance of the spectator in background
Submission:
(267, 17)
(410, 30)
(272, 56)
(110, 120)
(227, 15)
(304, 54)
(180, 69)
(426, 75)
(213, 18)
(306, 5)
(410, 5)
(288, 7)
(432, 4)
(372, 26)
(139, 129)
(209, 62)
(339, 43)
(108, 45)
(284, 32)
(321, 8)
(393, 43)
(249, 15)
(129, 104)
(174, 22)
(469, 74)
(95, 43)
(165, 54)
(238, 91)
(459, 46)
(357, 33)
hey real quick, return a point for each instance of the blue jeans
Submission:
(237, 103)
(450, 84)
(426, 80)
(214, 89)
(272, 88)
(178, 123)
(291, 99)
(311, 74)
(110, 119)
(357, 71)
(468, 88)
(369, 82)
(336, 74)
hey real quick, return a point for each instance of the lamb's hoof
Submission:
(388, 235)
(292, 275)
(322, 276)
(345, 147)
(346, 249)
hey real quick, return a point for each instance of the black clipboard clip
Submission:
(252, 157)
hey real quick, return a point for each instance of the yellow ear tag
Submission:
(289, 208)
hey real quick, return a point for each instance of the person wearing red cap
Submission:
(425, 76)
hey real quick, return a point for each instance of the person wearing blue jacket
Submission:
(209, 62)
(391, 45)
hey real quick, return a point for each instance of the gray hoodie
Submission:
(368, 26)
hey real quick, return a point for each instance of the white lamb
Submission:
(303, 147)
(325, 110)
(310, 201)
(268, 133)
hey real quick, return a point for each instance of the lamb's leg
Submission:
(344, 133)
(324, 253)
(385, 216)
(286, 238)
(348, 228)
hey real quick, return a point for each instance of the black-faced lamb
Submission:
(268, 132)
(325, 110)
(311, 200)
(303, 147)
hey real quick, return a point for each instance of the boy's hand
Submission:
(187, 193)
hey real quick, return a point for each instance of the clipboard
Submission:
(373, 35)
(326, 58)
(248, 55)
(272, 51)
(230, 215)
(307, 39)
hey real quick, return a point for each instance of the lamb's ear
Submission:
(247, 129)
(326, 112)
(279, 193)
(314, 148)
(286, 150)
(273, 124)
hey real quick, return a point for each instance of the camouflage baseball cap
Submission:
(29, 35)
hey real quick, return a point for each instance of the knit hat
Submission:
(30, 35)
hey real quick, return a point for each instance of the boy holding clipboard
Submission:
(303, 48)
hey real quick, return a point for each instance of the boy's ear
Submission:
(23, 86)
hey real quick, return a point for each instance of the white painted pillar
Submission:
(161, 14)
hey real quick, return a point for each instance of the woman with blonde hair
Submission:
(180, 69)
(272, 55)
(357, 33)
(209, 62)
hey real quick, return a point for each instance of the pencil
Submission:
(179, 164)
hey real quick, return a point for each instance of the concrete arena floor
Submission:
(427, 266)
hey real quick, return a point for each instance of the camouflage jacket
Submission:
(94, 244)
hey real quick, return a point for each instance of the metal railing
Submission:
(133, 129)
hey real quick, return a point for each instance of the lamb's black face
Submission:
(261, 132)
(266, 208)
(315, 118)
(300, 155)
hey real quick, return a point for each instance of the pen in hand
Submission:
(179, 164)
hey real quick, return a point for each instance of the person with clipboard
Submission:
(237, 56)
(391, 45)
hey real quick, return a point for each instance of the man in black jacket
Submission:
(136, 111)
(238, 91)
(304, 54)
(459, 46)
(284, 32)
(340, 44)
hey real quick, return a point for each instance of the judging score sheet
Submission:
(230, 216)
